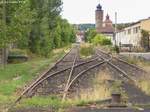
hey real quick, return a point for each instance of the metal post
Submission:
(149, 42)
(115, 35)
(116, 98)
(115, 27)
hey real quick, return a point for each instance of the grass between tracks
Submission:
(86, 50)
(103, 87)
(15, 76)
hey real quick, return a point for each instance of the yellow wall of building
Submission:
(145, 25)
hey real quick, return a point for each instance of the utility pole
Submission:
(115, 35)
(148, 39)
(115, 28)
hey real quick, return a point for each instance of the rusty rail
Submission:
(119, 59)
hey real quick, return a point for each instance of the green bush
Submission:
(100, 39)
(115, 49)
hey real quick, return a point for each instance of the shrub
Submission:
(100, 39)
(86, 50)
(115, 49)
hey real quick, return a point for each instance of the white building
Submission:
(80, 37)
(103, 26)
(131, 36)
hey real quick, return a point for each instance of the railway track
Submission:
(105, 56)
(56, 79)
(128, 76)
(71, 72)
(50, 70)
(132, 70)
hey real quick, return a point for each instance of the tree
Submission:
(90, 34)
(40, 35)
(37, 26)
(64, 33)
(7, 10)
(21, 25)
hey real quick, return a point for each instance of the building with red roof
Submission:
(103, 26)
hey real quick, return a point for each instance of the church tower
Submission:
(108, 22)
(99, 17)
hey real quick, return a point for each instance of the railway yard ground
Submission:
(83, 79)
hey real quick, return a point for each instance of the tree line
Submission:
(35, 25)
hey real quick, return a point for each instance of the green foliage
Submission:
(115, 49)
(64, 33)
(145, 39)
(82, 103)
(21, 25)
(36, 26)
(90, 34)
(100, 39)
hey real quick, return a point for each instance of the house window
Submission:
(136, 30)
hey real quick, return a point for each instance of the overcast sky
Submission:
(83, 11)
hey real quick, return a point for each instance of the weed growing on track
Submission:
(145, 85)
(86, 50)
